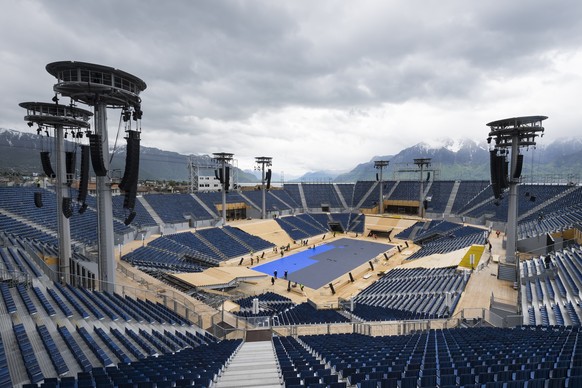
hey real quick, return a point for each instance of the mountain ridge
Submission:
(451, 159)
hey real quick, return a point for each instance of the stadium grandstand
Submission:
(324, 292)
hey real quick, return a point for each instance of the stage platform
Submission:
(316, 267)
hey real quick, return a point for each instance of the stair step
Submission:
(248, 383)
(251, 366)
(254, 365)
(250, 372)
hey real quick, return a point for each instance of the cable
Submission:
(116, 137)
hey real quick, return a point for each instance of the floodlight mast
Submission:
(61, 118)
(101, 87)
(223, 158)
(263, 161)
(421, 163)
(380, 165)
(513, 134)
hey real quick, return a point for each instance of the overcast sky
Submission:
(314, 84)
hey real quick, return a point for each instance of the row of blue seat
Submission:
(27, 353)
(264, 298)
(192, 366)
(224, 242)
(115, 349)
(30, 306)
(5, 380)
(306, 314)
(73, 346)
(549, 299)
(94, 347)
(125, 342)
(454, 356)
(149, 257)
(256, 243)
(467, 236)
(439, 194)
(565, 217)
(44, 301)
(54, 354)
(145, 346)
(300, 368)
(17, 228)
(20, 201)
(7, 298)
(75, 303)
(299, 228)
(156, 343)
(411, 293)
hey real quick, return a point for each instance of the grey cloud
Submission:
(214, 69)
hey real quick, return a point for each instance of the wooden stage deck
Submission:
(482, 284)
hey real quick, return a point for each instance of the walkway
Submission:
(254, 365)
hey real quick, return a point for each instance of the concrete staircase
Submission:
(278, 198)
(451, 200)
(213, 213)
(254, 365)
(340, 196)
(151, 211)
(546, 203)
(359, 205)
(302, 195)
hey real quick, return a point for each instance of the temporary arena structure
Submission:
(408, 318)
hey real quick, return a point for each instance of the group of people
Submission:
(274, 277)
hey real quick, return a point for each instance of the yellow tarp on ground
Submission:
(476, 250)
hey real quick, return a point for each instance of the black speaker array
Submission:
(131, 160)
(129, 218)
(131, 174)
(46, 164)
(38, 199)
(129, 199)
(503, 165)
(518, 167)
(493, 171)
(70, 160)
(225, 180)
(84, 178)
(67, 207)
(499, 170)
(96, 144)
(268, 177)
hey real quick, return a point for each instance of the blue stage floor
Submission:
(317, 267)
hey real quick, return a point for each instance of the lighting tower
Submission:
(380, 165)
(421, 163)
(263, 161)
(223, 158)
(513, 134)
(62, 118)
(101, 87)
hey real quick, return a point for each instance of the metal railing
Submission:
(226, 325)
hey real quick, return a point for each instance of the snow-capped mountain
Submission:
(451, 159)
(467, 159)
